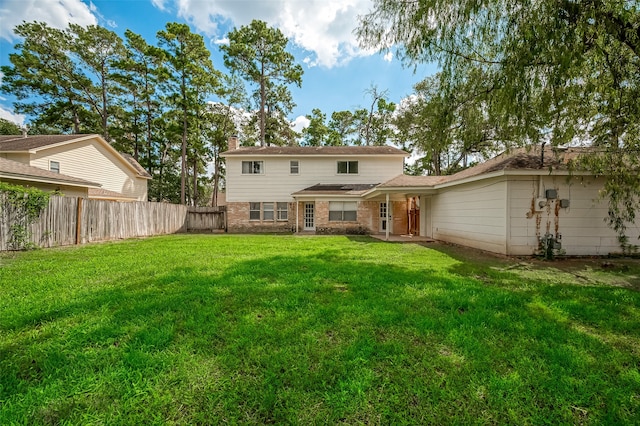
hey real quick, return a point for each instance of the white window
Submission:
(348, 167)
(283, 211)
(343, 211)
(267, 211)
(54, 166)
(252, 167)
(294, 167)
(254, 211)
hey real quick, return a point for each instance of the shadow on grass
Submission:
(325, 338)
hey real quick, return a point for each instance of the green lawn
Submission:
(283, 329)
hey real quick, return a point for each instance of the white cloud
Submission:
(224, 40)
(301, 122)
(56, 13)
(160, 4)
(11, 116)
(388, 56)
(324, 27)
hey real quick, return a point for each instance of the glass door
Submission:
(383, 217)
(309, 224)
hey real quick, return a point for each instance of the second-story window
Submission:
(252, 167)
(54, 166)
(294, 167)
(348, 167)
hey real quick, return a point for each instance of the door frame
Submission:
(309, 216)
(382, 227)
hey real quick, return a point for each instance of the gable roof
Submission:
(300, 151)
(141, 170)
(32, 144)
(521, 160)
(14, 170)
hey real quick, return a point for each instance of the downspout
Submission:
(296, 200)
(388, 219)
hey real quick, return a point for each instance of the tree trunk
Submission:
(195, 181)
(263, 95)
(216, 181)
(183, 171)
(105, 116)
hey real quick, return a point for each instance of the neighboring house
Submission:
(509, 203)
(314, 189)
(86, 157)
(21, 174)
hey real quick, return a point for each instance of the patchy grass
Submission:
(262, 329)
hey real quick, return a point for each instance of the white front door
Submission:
(309, 224)
(383, 217)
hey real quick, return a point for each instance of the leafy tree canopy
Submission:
(9, 128)
(560, 72)
(258, 54)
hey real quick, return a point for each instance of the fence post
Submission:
(79, 221)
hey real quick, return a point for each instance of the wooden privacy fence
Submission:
(207, 219)
(70, 220)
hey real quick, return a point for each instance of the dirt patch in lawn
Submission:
(593, 270)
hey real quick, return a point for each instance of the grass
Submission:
(302, 330)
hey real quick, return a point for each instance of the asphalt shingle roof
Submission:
(337, 189)
(518, 159)
(316, 150)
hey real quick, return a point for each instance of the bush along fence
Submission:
(19, 208)
(70, 220)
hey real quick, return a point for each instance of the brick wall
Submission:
(368, 219)
(238, 220)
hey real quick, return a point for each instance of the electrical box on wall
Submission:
(540, 203)
(564, 203)
(551, 194)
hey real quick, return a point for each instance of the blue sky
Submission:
(336, 71)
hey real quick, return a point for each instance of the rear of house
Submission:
(312, 189)
(516, 204)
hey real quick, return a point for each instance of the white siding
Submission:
(67, 191)
(92, 161)
(582, 225)
(277, 183)
(472, 215)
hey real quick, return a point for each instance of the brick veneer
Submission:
(368, 219)
(238, 220)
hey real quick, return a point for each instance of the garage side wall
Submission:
(581, 226)
(472, 215)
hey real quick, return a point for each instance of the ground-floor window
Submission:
(254, 211)
(283, 211)
(269, 211)
(343, 211)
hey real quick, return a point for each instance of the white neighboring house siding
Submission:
(277, 183)
(472, 214)
(582, 225)
(90, 160)
(68, 190)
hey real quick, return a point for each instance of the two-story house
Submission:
(89, 159)
(313, 189)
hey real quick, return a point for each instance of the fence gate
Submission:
(210, 219)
